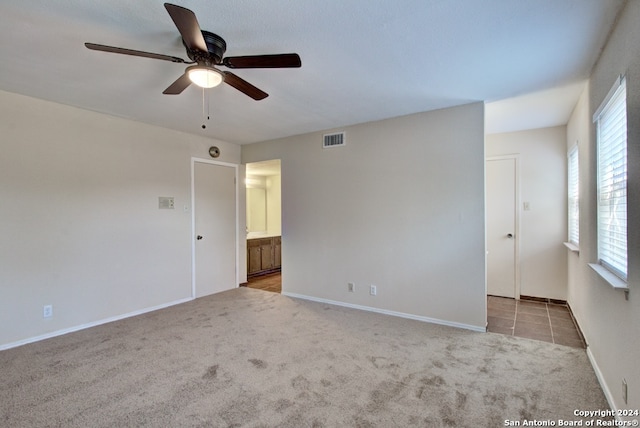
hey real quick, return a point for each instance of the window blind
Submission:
(573, 194)
(612, 181)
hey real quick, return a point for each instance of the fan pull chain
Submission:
(203, 125)
(208, 106)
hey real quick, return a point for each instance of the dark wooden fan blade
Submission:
(289, 60)
(178, 86)
(188, 26)
(244, 86)
(132, 52)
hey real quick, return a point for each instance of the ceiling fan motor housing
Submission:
(216, 47)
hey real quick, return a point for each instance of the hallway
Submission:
(533, 320)
(523, 318)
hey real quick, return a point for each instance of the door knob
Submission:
(509, 235)
(199, 237)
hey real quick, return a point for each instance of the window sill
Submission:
(572, 247)
(611, 279)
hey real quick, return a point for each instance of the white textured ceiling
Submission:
(541, 109)
(362, 60)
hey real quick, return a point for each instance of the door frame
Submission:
(516, 261)
(195, 160)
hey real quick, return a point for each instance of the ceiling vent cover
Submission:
(333, 140)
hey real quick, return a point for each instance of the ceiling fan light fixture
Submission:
(205, 77)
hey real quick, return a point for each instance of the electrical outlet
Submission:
(351, 287)
(373, 290)
(47, 311)
(624, 390)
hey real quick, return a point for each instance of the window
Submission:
(573, 197)
(611, 126)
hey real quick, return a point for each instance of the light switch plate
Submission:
(166, 202)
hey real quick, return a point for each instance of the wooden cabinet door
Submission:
(254, 259)
(267, 255)
(277, 260)
(263, 255)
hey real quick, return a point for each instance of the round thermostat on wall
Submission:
(214, 151)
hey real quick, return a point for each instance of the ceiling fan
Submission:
(206, 51)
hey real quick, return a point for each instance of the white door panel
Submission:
(215, 228)
(501, 227)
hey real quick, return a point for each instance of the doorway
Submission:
(215, 231)
(264, 224)
(502, 226)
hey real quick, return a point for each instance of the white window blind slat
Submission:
(611, 121)
(573, 197)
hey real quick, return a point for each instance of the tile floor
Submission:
(548, 322)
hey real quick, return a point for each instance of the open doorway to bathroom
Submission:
(264, 225)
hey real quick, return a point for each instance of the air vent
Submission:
(333, 140)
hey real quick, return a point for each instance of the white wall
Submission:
(543, 228)
(611, 324)
(578, 130)
(401, 206)
(80, 226)
(265, 207)
(274, 205)
(256, 189)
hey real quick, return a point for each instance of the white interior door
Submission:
(214, 200)
(501, 199)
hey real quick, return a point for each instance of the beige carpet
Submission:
(257, 359)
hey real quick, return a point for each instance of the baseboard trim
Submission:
(575, 322)
(91, 324)
(596, 369)
(387, 312)
(543, 300)
(603, 383)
